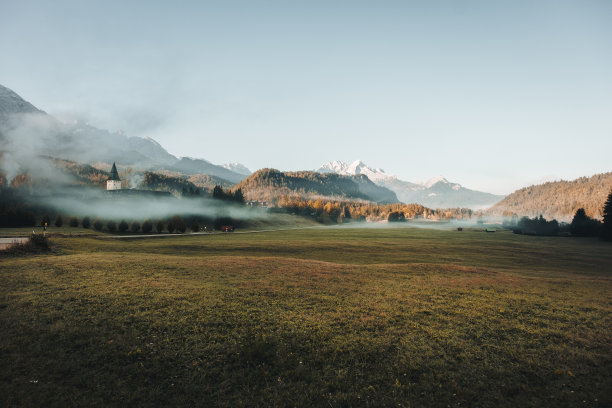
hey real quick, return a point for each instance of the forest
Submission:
(337, 211)
(559, 199)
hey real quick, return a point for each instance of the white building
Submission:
(113, 182)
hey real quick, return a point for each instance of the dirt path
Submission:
(166, 235)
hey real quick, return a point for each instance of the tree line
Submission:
(173, 224)
(235, 196)
(581, 226)
(332, 211)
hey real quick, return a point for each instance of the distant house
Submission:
(260, 204)
(227, 228)
(113, 182)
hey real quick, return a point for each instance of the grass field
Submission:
(316, 317)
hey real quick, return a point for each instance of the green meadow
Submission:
(325, 316)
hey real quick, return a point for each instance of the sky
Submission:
(495, 95)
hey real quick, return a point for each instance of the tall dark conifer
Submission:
(238, 196)
(606, 230)
(218, 192)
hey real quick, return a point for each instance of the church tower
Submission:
(113, 182)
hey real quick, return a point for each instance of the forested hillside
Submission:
(559, 199)
(207, 183)
(271, 184)
(174, 185)
(55, 172)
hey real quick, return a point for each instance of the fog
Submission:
(423, 223)
(27, 137)
(29, 141)
(134, 204)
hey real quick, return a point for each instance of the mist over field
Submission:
(133, 204)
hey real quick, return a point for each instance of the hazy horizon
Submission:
(492, 96)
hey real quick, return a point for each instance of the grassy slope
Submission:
(326, 317)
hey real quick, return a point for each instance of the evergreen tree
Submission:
(135, 226)
(195, 226)
(147, 226)
(123, 226)
(177, 224)
(59, 221)
(98, 225)
(74, 222)
(584, 226)
(238, 196)
(86, 222)
(218, 193)
(170, 226)
(111, 226)
(159, 227)
(606, 230)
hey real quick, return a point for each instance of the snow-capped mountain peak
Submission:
(335, 166)
(237, 168)
(436, 192)
(435, 180)
(356, 167)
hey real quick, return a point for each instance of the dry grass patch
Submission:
(134, 323)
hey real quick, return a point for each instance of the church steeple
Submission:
(114, 175)
(113, 182)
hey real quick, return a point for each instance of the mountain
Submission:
(271, 184)
(435, 193)
(27, 132)
(352, 169)
(188, 165)
(558, 199)
(11, 103)
(440, 193)
(237, 168)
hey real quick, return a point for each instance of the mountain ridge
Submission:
(436, 192)
(271, 184)
(558, 199)
(26, 131)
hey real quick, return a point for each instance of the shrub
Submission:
(86, 223)
(74, 222)
(59, 221)
(111, 226)
(135, 226)
(147, 226)
(39, 241)
(123, 226)
(98, 225)
(159, 227)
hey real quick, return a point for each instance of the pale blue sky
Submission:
(493, 95)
